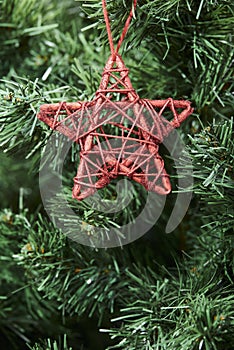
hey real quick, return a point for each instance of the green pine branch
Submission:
(53, 345)
(163, 291)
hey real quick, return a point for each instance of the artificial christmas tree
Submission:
(162, 291)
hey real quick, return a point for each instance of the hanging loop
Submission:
(125, 29)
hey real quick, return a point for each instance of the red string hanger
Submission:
(108, 28)
(117, 137)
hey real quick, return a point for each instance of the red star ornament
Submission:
(117, 137)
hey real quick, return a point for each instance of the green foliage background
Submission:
(171, 292)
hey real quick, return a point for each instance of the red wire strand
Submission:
(108, 27)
